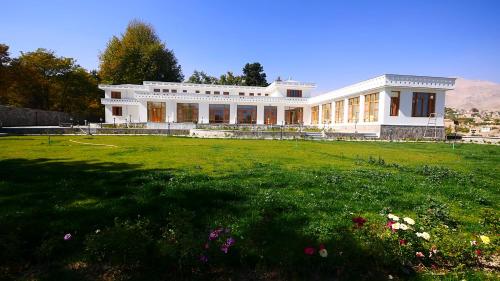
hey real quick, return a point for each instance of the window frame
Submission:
(118, 112)
(423, 98)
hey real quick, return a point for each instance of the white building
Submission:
(390, 105)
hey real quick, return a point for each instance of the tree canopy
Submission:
(137, 56)
(253, 75)
(42, 80)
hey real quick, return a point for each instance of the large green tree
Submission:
(200, 77)
(254, 75)
(137, 56)
(43, 80)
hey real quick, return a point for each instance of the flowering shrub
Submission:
(219, 240)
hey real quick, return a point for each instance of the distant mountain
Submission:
(483, 95)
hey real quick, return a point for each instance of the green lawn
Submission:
(143, 210)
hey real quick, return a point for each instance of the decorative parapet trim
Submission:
(122, 87)
(387, 80)
(193, 85)
(212, 98)
(119, 101)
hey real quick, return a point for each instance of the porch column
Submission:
(203, 113)
(171, 111)
(142, 112)
(332, 114)
(260, 114)
(280, 115)
(306, 115)
(320, 116)
(232, 113)
(361, 117)
(346, 111)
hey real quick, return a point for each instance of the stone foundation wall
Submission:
(398, 132)
(17, 116)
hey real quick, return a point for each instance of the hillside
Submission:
(483, 95)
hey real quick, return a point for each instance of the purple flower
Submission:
(230, 241)
(67, 237)
(224, 248)
(213, 235)
(203, 258)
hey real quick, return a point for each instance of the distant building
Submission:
(390, 105)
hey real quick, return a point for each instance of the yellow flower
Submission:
(485, 239)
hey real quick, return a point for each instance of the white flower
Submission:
(473, 243)
(323, 253)
(390, 277)
(393, 217)
(396, 225)
(424, 235)
(97, 231)
(409, 221)
(403, 226)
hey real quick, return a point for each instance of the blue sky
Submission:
(332, 43)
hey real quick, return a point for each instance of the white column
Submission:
(320, 116)
(346, 111)
(306, 115)
(332, 117)
(143, 112)
(203, 113)
(361, 117)
(232, 113)
(171, 111)
(280, 112)
(260, 114)
(384, 103)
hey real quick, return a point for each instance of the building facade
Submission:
(389, 106)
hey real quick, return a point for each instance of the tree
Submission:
(230, 79)
(200, 77)
(137, 56)
(254, 75)
(42, 80)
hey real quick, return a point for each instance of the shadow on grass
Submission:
(131, 223)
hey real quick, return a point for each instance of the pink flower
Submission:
(224, 248)
(213, 235)
(67, 237)
(402, 242)
(309, 251)
(478, 252)
(359, 221)
(230, 241)
(419, 255)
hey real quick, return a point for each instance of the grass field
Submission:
(143, 209)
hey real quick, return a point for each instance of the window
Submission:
(187, 112)
(394, 103)
(197, 91)
(156, 90)
(218, 113)
(117, 110)
(423, 104)
(174, 91)
(251, 94)
(266, 95)
(353, 110)
(315, 115)
(165, 90)
(116, 95)
(241, 94)
(258, 94)
(225, 93)
(327, 112)
(293, 93)
(184, 91)
(247, 114)
(216, 93)
(339, 111)
(293, 115)
(207, 92)
(371, 108)
(156, 112)
(270, 115)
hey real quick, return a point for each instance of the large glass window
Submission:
(247, 114)
(315, 115)
(293, 93)
(327, 112)
(371, 108)
(293, 115)
(270, 115)
(395, 103)
(353, 110)
(156, 112)
(339, 111)
(218, 113)
(423, 104)
(187, 112)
